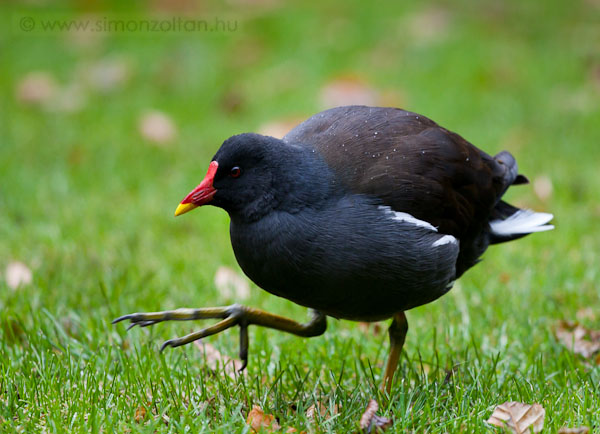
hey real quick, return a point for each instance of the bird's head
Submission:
(250, 175)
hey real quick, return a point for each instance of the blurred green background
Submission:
(103, 131)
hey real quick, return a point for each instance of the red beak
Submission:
(200, 195)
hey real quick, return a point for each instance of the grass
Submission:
(87, 204)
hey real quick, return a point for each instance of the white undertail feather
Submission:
(406, 218)
(446, 239)
(524, 221)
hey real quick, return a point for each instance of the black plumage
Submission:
(359, 213)
(412, 164)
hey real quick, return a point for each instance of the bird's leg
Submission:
(230, 316)
(397, 332)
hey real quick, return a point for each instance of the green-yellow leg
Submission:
(397, 332)
(233, 315)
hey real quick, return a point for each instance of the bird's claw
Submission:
(230, 316)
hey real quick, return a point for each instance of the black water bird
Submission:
(358, 213)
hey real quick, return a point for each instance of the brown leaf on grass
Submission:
(310, 413)
(371, 422)
(504, 278)
(84, 37)
(248, 52)
(36, 88)
(257, 419)
(370, 327)
(157, 127)
(12, 331)
(519, 418)
(348, 91)
(17, 274)
(294, 430)
(215, 360)
(278, 129)
(586, 313)
(232, 101)
(578, 430)
(542, 186)
(231, 285)
(106, 75)
(42, 90)
(430, 24)
(140, 414)
(577, 338)
(322, 410)
(69, 99)
(392, 98)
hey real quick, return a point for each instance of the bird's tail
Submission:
(509, 223)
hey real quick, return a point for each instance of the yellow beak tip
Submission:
(182, 208)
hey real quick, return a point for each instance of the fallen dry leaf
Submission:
(107, 75)
(41, 89)
(232, 101)
(36, 88)
(84, 37)
(257, 419)
(157, 127)
(248, 52)
(69, 99)
(578, 430)
(320, 409)
(429, 24)
(17, 274)
(392, 98)
(140, 414)
(519, 418)
(310, 413)
(542, 186)
(370, 327)
(231, 284)
(215, 360)
(577, 338)
(371, 422)
(365, 419)
(504, 278)
(278, 129)
(586, 313)
(348, 91)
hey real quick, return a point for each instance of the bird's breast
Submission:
(351, 260)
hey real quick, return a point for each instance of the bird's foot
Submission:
(234, 315)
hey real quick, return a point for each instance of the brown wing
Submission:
(410, 163)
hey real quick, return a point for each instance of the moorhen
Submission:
(359, 213)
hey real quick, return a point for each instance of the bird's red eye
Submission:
(235, 172)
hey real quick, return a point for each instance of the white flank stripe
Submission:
(522, 222)
(406, 218)
(446, 239)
